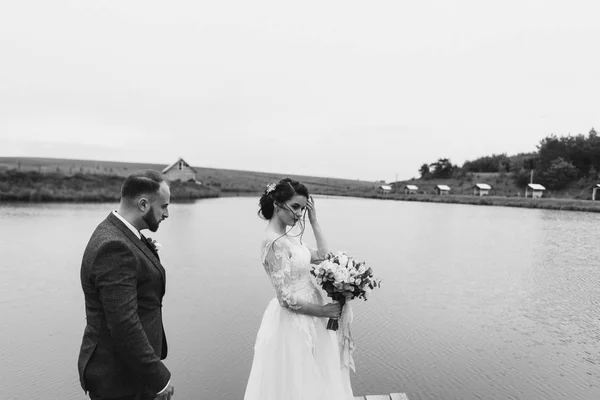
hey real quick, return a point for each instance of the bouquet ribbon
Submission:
(345, 341)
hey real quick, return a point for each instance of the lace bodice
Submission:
(287, 262)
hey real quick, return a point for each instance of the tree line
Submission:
(557, 162)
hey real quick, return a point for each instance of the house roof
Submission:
(443, 187)
(411, 187)
(536, 186)
(164, 171)
(483, 186)
(385, 187)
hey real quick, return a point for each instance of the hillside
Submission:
(225, 181)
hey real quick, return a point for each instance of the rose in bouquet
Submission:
(344, 278)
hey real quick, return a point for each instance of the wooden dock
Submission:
(391, 396)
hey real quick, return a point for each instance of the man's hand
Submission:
(167, 394)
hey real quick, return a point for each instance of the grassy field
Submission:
(37, 179)
(502, 186)
(33, 186)
(226, 181)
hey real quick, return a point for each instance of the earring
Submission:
(276, 209)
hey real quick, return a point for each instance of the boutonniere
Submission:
(154, 244)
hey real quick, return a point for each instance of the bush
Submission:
(521, 177)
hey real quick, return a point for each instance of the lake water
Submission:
(477, 302)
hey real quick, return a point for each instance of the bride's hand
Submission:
(322, 257)
(312, 212)
(332, 310)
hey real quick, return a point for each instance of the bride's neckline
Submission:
(273, 234)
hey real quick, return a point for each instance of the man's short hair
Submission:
(145, 181)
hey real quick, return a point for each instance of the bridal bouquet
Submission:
(344, 278)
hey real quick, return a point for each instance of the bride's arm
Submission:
(331, 310)
(276, 260)
(322, 248)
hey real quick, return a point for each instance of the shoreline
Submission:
(548, 203)
(565, 204)
(35, 187)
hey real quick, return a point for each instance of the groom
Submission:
(123, 284)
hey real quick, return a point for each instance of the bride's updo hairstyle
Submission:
(279, 193)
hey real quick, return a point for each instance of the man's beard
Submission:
(151, 220)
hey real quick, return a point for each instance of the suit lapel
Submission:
(141, 245)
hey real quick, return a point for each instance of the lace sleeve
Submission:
(277, 263)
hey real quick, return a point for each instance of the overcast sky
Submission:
(351, 89)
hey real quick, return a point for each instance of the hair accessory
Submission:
(271, 187)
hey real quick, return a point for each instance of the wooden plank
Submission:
(391, 396)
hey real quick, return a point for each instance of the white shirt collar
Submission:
(127, 224)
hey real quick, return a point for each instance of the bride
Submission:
(295, 356)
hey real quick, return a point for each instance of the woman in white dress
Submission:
(295, 356)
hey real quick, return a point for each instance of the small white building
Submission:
(179, 171)
(536, 190)
(411, 189)
(481, 189)
(442, 190)
(385, 189)
(594, 190)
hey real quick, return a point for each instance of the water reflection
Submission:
(477, 302)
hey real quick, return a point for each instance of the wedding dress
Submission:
(295, 356)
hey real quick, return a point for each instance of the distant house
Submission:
(594, 190)
(536, 190)
(179, 171)
(410, 189)
(481, 189)
(385, 189)
(442, 190)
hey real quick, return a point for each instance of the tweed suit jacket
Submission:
(124, 341)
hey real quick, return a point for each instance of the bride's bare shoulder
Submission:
(270, 236)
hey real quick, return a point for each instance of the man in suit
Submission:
(123, 284)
